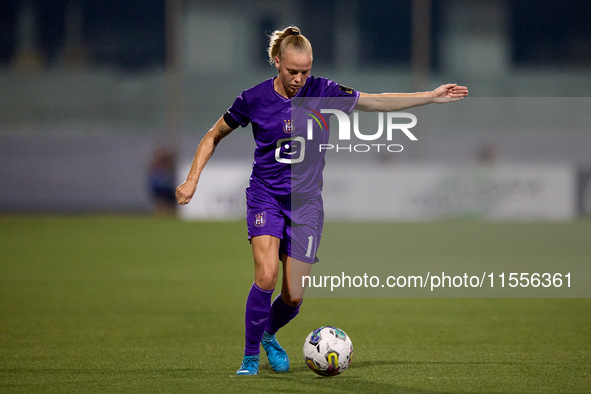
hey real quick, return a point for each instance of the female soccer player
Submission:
(273, 230)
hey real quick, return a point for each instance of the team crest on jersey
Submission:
(288, 126)
(260, 219)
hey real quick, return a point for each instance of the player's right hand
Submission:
(185, 191)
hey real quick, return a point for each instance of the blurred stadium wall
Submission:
(90, 90)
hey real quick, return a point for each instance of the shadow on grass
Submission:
(378, 363)
(367, 364)
(363, 380)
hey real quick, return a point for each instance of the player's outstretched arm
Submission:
(186, 190)
(387, 102)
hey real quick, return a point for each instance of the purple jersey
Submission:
(277, 147)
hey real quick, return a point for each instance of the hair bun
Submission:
(279, 42)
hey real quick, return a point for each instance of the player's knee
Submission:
(266, 280)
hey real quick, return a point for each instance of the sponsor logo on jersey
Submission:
(290, 150)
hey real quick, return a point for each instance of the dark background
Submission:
(130, 35)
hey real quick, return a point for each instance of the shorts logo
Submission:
(260, 219)
(288, 126)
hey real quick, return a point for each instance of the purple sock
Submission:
(281, 314)
(258, 308)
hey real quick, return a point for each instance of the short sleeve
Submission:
(348, 95)
(345, 91)
(239, 111)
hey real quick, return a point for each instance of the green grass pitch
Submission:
(138, 304)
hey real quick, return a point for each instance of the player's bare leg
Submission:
(265, 250)
(292, 286)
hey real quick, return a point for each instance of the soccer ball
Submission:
(328, 351)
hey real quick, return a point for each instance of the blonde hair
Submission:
(289, 38)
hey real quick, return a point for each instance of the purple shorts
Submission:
(297, 222)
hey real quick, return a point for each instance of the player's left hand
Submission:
(449, 93)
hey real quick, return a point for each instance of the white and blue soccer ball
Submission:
(328, 351)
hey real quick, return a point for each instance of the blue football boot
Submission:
(250, 365)
(278, 359)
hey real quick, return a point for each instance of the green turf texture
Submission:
(139, 304)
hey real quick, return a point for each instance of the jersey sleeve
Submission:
(348, 97)
(238, 112)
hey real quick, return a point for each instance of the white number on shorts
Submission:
(310, 244)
